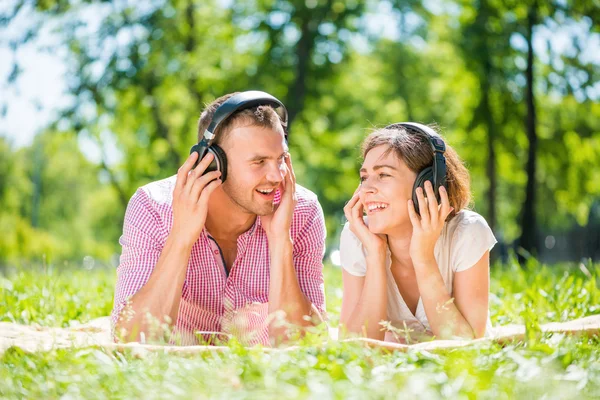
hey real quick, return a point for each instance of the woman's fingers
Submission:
(434, 210)
(357, 222)
(412, 214)
(349, 205)
(357, 211)
(446, 208)
(424, 211)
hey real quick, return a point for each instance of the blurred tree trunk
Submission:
(527, 241)
(304, 47)
(486, 88)
(38, 164)
(478, 43)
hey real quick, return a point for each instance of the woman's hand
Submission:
(428, 227)
(373, 243)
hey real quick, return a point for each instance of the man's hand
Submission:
(277, 225)
(190, 197)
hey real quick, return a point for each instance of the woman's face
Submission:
(386, 187)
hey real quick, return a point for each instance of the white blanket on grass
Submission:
(97, 333)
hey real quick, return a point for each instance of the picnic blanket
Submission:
(97, 333)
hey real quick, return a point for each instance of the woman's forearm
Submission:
(445, 319)
(371, 307)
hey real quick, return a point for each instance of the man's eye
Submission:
(383, 175)
(363, 178)
(259, 162)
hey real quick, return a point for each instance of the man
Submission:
(207, 252)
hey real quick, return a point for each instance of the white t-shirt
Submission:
(461, 244)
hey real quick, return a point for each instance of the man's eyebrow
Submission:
(376, 167)
(259, 157)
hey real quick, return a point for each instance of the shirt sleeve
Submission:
(472, 238)
(351, 253)
(309, 248)
(141, 249)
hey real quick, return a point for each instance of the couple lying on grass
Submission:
(231, 240)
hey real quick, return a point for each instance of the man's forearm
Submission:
(159, 298)
(284, 289)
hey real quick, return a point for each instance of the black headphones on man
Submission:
(238, 102)
(436, 173)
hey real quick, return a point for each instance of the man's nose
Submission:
(276, 172)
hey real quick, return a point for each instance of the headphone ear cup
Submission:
(201, 150)
(219, 163)
(424, 176)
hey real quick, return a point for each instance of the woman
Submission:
(424, 270)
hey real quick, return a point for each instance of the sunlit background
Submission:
(98, 98)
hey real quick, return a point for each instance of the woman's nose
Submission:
(367, 187)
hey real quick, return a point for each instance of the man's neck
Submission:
(225, 219)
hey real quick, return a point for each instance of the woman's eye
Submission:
(260, 162)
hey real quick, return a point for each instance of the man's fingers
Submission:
(204, 163)
(197, 172)
(183, 171)
(201, 182)
(288, 161)
(208, 189)
(289, 183)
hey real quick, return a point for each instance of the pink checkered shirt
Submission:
(211, 301)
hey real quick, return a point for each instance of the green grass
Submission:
(552, 366)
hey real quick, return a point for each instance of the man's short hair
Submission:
(262, 116)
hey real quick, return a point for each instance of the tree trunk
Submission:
(38, 165)
(491, 137)
(295, 102)
(528, 238)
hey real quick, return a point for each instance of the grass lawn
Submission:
(544, 366)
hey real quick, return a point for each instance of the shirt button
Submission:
(216, 251)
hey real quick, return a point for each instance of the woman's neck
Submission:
(399, 244)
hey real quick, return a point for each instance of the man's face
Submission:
(255, 167)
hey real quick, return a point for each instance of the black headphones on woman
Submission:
(436, 173)
(238, 102)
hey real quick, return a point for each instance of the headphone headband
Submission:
(438, 167)
(242, 101)
(436, 142)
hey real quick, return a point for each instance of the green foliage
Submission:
(139, 81)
